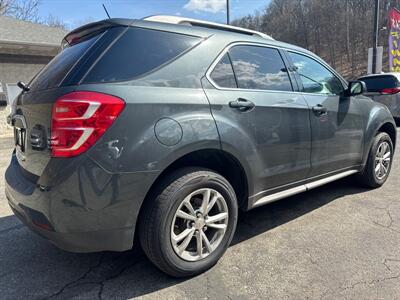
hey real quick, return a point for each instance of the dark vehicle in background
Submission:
(385, 88)
(164, 128)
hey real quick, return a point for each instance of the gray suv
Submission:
(164, 128)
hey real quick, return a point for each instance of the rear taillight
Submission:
(79, 119)
(390, 91)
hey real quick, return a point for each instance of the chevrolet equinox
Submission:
(163, 128)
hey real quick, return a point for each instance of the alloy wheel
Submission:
(199, 224)
(382, 160)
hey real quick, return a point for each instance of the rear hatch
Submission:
(32, 111)
(98, 57)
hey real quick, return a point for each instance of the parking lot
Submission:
(335, 242)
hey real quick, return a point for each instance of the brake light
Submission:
(390, 91)
(79, 119)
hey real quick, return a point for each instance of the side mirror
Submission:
(3, 102)
(356, 88)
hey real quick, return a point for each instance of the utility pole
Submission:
(227, 12)
(376, 32)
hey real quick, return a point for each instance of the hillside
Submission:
(340, 31)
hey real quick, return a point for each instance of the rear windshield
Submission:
(52, 74)
(137, 52)
(378, 83)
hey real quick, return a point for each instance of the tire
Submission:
(157, 233)
(368, 177)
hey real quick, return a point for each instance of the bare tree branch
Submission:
(54, 21)
(5, 6)
(340, 31)
(27, 10)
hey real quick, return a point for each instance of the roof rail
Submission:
(206, 24)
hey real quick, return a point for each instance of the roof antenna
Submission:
(105, 9)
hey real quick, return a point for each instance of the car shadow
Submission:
(33, 268)
(265, 218)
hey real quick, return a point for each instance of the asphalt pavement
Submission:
(338, 241)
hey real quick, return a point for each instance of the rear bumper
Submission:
(80, 215)
(93, 241)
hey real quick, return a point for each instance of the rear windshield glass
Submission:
(376, 84)
(52, 74)
(137, 52)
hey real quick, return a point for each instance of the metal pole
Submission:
(376, 32)
(227, 12)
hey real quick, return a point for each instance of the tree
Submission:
(54, 21)
(82, 22)
(27, 10)
(340, 31)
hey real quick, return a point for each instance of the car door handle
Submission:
(319, 110)
(242, 104)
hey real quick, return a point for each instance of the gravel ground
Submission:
(335, 242)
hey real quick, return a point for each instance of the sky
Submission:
(76, 12)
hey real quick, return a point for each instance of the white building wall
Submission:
(11, 73)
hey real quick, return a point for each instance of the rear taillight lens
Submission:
(390, 91)
(79, 119)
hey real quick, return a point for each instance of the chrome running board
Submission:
(302, 188)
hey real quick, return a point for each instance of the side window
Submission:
(223, 74)
(315, 77)
(259, 68)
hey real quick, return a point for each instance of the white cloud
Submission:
(212, 6)
(252, 78)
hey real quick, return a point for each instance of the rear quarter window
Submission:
(223, 74)
(378, 83)
(137, 52)
(55, 71)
